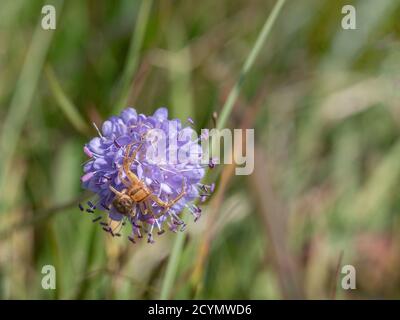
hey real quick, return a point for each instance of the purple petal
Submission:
(123, 140)
(87, 151)
(161, 114)
(107, 128)
(95, 146)
(129, 115)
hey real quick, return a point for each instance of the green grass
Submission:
(322, 101)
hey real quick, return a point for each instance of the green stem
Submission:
(172, 266)
(234, 93)
(226, 110)
(132, 59)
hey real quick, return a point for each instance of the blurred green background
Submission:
(324, 103)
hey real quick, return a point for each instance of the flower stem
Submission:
(234, 93)
(172, 266)
(133, 54)
(226, 110)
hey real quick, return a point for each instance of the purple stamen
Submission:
(86, 177)
(212, 187)
(87, 152)
(211, 164)
(131, 239)
(96, 219)
(91, 205)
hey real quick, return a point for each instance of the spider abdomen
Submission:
(123, 204)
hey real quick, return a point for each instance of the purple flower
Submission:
(176, 175)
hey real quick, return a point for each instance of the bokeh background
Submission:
(324, 103)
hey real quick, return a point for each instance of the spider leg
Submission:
(117, 193)
(134, 153)
(166, 208)
(157, 200)
(143, 208)
(132, 213)
(128, 161)
(123, 180)
(149, 207)
(170, 203)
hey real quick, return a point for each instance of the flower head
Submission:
(162, 155)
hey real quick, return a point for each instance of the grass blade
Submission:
(65, 104)
(172, 266)
(226, 110)
(22, 98)
(132, 59)
(234, 93)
